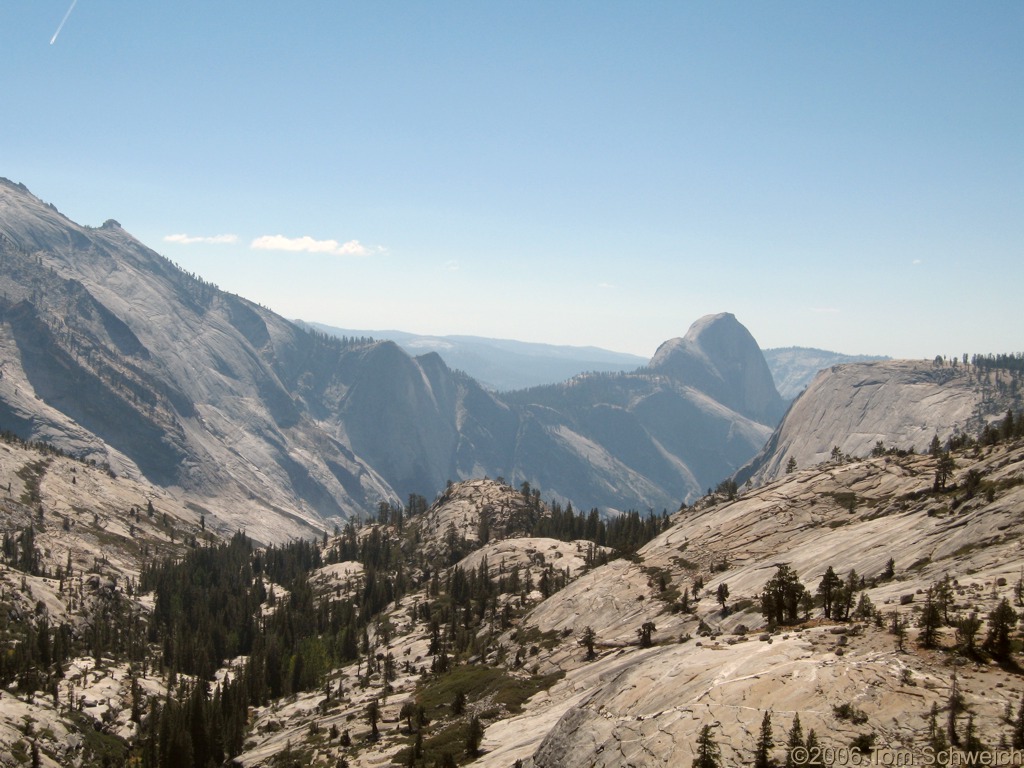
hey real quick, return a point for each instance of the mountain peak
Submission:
(719, 357)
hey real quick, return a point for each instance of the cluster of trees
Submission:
(19, 551)
(957, 732)
(800, 750)
(207, 610)
(1001, 362)
(338, 342)
(47, 449)
(35, 651)
(624, 533)
(784, 598)
(937, 613)
(1010, 428)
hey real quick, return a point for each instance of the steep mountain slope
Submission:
(157, 373)
(901, 403)
(114, 354)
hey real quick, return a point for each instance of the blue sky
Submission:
(839, 175)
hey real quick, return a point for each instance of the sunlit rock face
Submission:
(901, 404)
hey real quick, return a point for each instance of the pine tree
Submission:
(722, 594)
(972, 744)
(781, 597)
(372, 717)
(898, 627)
(966, 634)
(929, 621)
(955, 706)
(813, 751)
(944, 467)
(459, 703)
(645, 632)
(587, 640)
(795, 740)
(1017, 739)
(474, 735)
(765, 742)
(1001, 623)
(936, 736)
(708, 754)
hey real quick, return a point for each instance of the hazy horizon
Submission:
(846, 178)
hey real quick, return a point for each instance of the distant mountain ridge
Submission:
(113, 353)
(502, 364)
(794, 367)
(505, 365)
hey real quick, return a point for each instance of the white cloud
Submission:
(915, 262)
(452, 265)
(183, 239)
(825, 310)
(308, 245)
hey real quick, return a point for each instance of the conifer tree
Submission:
(954, 706)
(587, 640)
(929, 621)
(972, 744)
(1017, 738)
(373, 717)
(781, 597)
(813, 751)
(827, 588)
(936, 736)
(708, 754)
(1001, 622)
(795, 740)
(722, 594)
(645, 632)
(474, 735)
(765, 742)
(966, 634)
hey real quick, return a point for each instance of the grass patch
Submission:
(477, 682)
(661, 581)
(533, 636)
(99, 748)
(492, 687)
(845, 499)
(450, 740)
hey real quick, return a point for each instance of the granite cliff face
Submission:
(793, 368)
(719, 357)
(114, 354)
(903, 404)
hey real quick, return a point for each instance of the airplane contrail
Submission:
(61, 26)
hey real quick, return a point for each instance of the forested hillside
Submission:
(421, 635)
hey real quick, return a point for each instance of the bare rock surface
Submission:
(901, 404)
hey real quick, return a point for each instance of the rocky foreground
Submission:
(677, 634)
